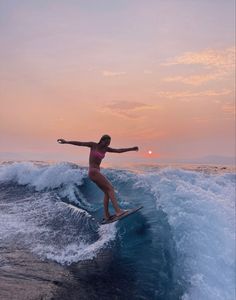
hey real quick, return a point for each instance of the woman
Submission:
(97, 153)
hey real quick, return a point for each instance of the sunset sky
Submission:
(158, 74)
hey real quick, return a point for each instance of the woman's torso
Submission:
(95, 157)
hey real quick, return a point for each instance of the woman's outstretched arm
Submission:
(121, 150)
(76, 143)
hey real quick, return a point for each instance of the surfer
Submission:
(97, 153)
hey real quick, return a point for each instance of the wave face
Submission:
(179, 246)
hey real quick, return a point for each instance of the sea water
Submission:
(179, 246)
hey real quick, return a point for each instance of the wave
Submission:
(200, 209)
(36, 212)
(184, 234)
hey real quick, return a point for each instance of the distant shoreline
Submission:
(132, 166)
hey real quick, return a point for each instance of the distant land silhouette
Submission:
(209, 159)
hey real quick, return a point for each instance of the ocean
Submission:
(181, 245)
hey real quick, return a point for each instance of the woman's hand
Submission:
(135, 148)
(61, 141)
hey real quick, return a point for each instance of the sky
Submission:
(154, 74)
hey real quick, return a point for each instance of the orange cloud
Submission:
(220, 62)
(128, 109)
(194, 79)
(229, 108)
(189, 94)
(210, 58)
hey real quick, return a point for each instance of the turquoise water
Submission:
(179, 246)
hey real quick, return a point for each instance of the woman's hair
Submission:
(104, 137)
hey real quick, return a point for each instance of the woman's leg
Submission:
(112, 196)
(106, 204)
(107, 188)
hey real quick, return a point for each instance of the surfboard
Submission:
(114, 218)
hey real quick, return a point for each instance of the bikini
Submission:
(97, 154)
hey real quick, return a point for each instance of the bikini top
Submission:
(98, 154)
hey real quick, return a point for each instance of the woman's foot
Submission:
(107, 217)
(121, 212)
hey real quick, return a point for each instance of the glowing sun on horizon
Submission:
(149, 152)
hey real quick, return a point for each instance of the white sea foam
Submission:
(199, 206)
(75, 252)
(65, 177)
(52, 229)
(45, 177)
(200, 210)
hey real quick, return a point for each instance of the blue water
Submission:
(179, 246)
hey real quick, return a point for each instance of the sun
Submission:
(149, 152)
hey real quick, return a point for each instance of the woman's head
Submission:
(105, 140)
